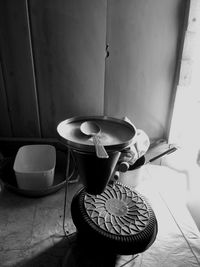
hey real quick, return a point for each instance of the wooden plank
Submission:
(189, 46)
(193, 16)
(142, 38)
(5, 126)
(69, 50)
(185, 75)
(19, 73)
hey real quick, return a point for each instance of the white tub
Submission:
(34, 166)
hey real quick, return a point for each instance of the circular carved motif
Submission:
(118, 210)
(116, 207)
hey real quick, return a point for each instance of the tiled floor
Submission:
(31, 231)
(31, 228)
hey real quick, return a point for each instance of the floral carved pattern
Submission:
(118, 210)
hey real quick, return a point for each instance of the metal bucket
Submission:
(95, 172)
(116, 134)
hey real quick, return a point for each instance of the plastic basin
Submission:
(34, 166)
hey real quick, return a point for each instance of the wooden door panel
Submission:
(142, 37)
(5, 126)
(69, 51)
(18, 68)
